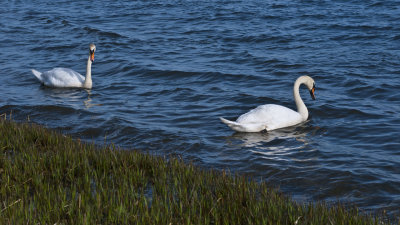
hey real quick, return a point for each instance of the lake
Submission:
(165, 71)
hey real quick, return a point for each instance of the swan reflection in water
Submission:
(71, 96)
(277, 144)
(88, 102)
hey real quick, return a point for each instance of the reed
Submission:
(49, 178)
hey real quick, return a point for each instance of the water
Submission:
(165, 71)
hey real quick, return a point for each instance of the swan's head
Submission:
(311, 86)
(92, 49)
(312, 90)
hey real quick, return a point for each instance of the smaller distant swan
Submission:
(63, 77)
(270, 117)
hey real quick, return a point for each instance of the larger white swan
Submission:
(270, 117)
(63, 77)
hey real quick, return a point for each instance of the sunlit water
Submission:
(165, 71)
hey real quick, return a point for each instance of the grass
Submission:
(49, 178)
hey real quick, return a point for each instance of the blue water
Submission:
(165, 71)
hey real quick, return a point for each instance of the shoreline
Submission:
(47, 177)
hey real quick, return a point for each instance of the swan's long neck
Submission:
(88, 79)
(301, 107)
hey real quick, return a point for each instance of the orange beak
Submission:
(92, 56)
(312, 92)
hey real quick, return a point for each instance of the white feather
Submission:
(60, 77)
(63, 77)
(270, 117)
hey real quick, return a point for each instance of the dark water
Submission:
(166, 70)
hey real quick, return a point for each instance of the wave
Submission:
(99, 32)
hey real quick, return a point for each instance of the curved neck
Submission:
(88, 79)
(301, 107)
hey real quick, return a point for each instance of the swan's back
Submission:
(61, 77)
(271, 116)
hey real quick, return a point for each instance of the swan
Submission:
(270, 117)
(64, 77)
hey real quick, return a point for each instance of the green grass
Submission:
(48, 178)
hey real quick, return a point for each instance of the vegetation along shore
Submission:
(49, 178)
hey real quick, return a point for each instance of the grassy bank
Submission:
(50, 178)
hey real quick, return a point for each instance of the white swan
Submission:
(63, 77)
(270, 117)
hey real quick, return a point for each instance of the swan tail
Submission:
(233, 125)
(243, 127)
(37, 74)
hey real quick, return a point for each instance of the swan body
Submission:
(64, 77)
(270, 117)
(60, 77)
